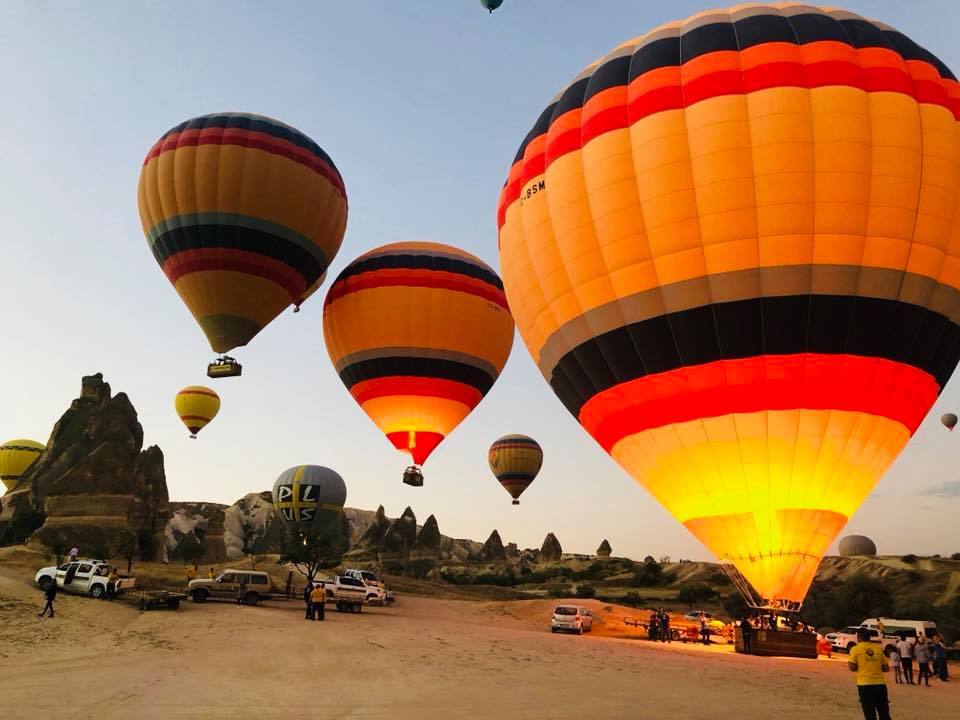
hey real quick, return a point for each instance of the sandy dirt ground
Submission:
(422, 658)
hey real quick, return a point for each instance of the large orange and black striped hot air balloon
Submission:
(515, 460)
(732, 246)
(244, 215)
(418, 332)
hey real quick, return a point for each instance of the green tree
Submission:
(190, 549)
(319, 550)
(694, 593)
(648, 574)
(586, 591)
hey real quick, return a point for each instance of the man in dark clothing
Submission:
(745, 630)
(50, 594)
(653, 630)
(306, 598)
(704, 629)
(665, 626)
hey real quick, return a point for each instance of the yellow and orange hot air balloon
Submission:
(244, 214)
(197, 406)
(418, 332)
(15, 457)
(732, 246)
(515, 460)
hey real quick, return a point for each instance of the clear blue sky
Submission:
(422, 106)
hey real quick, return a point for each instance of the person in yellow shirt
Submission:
(211, 573)
(192, 572)
(868, 662)
(112, 579)
(318, 596)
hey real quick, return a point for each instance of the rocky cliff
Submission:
(94, 486)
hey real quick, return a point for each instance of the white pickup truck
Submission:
(377, 592)
(348, 593)
(81, 576)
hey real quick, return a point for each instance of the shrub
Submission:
(559, 592)
(649, 574)
(909, 559)
(736, 606)
(585, 591)
(190, 549)
(955, 556)
(693, 593)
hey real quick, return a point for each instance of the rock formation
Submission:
(252, 527)
(428, 542)
(97, 487)
(603, 552)
(493, 550)
(550, 551)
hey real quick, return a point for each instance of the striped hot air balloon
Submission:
(418, 332)
(515, 461)
(197, 406)
(244, 214)
(732, 246)
(15, 457)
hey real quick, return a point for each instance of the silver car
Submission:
(571, 618)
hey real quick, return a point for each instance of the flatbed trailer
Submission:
(151, 599)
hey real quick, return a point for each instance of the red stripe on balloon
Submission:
(405, 277)
(773, 382)
(225, 259)
(421, 386)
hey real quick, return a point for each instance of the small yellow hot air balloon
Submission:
(197, 406)
(15, 457)
(515, 461)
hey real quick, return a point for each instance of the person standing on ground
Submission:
(318, 599)
(50, 594)
(905, 648)
(665, 626)
(704, 629)
(241, 591)
(307, 592)
(939, 659)
(192, 573)
(868, 662)
(895, 664)
(921, 651)
(211, 573)
(745, 630)
(653, 629)
(112, 579)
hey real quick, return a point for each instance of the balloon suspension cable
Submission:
(750, 595)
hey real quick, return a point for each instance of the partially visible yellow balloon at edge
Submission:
(15, 457)
(732, 247)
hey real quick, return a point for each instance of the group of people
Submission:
(193, 572)
(658, 627)
(315, 597)
(925, 651)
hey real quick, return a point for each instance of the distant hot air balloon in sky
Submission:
(308, 497)
(515, 461)
(197, 406)
(852, 545)
(491, 5)
(732, 247)
(418, 333)
(949, 421)
(15, 457)
(244, 214)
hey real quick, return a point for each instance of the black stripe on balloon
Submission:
(539, 128)
(233, 237)
(514, 476)
(823, 324)
(255, 124)
(421, 261)
(737, 36)
(416, 367)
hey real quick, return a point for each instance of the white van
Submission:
(908, 629)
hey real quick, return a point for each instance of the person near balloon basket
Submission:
(905, 648)
(921, 651)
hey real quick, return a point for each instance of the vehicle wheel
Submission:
(358, 608)
(97, 591)
(143, 604)
(44, 583)
(199, 596)
(674, 634)
(339, 607)
(173, 604)
(553, 630)
(252, 599)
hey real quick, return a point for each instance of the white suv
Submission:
(844, 640)
(571, 618)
